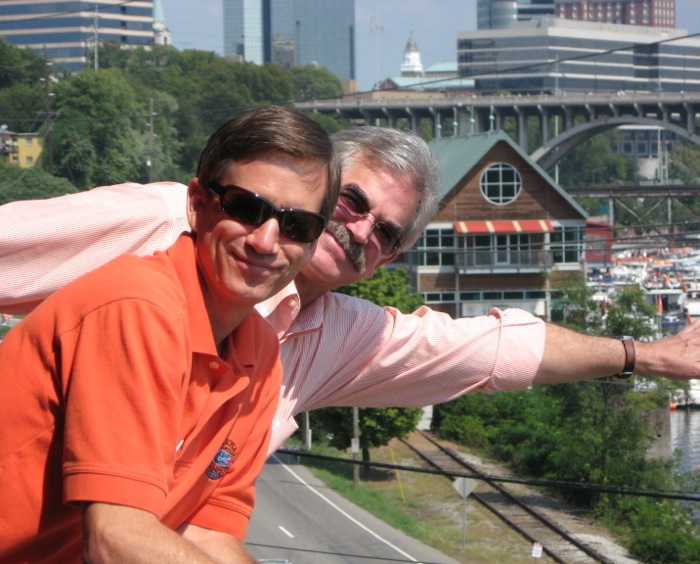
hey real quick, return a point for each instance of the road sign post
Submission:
(464, 487)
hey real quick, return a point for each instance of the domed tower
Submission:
(411, 61)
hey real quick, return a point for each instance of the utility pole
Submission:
(375, 28)
(96, 34)
(151, 144)
(355, 445)
(48, 113)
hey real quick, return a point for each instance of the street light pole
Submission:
(355, 445)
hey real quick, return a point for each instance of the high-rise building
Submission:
(292, 32)
(67, 31)
(652, 13)
(555, 56)
(498, 14)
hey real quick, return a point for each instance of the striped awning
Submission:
(504, 226)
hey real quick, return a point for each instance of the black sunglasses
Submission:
(252, 209)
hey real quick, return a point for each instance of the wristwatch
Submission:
(628, 370)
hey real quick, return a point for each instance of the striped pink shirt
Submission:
(337, 350)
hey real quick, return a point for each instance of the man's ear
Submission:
(196, 199)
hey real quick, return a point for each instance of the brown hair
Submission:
(268, 129)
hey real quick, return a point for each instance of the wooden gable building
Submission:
(505, 235)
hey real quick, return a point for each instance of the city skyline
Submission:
(382, 30)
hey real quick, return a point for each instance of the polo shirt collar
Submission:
(184, 261)
(183, 257)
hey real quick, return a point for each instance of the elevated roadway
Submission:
(564, 120)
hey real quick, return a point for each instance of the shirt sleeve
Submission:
(369, 356)
(44, 244)
(123, 409)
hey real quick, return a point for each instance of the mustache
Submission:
(355, 252)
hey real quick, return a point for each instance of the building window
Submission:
(438, 297)
(501, 184)
(437, 247)
(566, 244)
(507, 249)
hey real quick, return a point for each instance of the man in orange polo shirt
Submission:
(136, 403)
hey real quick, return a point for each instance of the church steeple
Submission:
(411, 61)
(160, 30)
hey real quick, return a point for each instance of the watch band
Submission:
(630, 356)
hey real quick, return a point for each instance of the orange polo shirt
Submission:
(112, 391)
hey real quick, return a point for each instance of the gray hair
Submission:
(395, 151)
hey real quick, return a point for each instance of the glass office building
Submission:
(292, 32)
(67, 31)
(559, 56)
(498, 14)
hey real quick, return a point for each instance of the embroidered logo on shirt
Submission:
(218, 467)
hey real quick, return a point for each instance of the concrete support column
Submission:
(544, 124)
(690, 118)
(437, 125)
(414, 121)
(522, 130)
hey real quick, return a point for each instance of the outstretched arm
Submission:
(570, 356)
(45, 244)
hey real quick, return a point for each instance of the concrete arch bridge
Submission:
(564, 120)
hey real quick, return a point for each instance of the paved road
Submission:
(299, 518)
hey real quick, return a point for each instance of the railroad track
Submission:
(557, 543)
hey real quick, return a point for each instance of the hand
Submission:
(676, 357)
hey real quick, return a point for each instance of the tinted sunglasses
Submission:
(252, 209)
(353, 206)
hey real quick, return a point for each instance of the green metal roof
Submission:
(418, 83)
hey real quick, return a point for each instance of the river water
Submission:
(685, 437)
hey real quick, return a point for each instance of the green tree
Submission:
(594, 162)
(386, 288)
(377, 425)
(111, 55)
(22, 107)
(22, 88)
(19, 66)
(593, 432)
(315, 83)
(684, 163)
(30, 184)
(101, 135)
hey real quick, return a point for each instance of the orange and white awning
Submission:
(504, 226)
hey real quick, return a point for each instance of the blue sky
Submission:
(382, 29)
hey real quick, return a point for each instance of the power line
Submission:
(555, 484)
(530, 66)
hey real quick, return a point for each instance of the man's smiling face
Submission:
(376, 205)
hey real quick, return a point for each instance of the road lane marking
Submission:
(286, 532)
(329, 502)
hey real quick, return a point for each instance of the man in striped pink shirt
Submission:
(336, 350)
